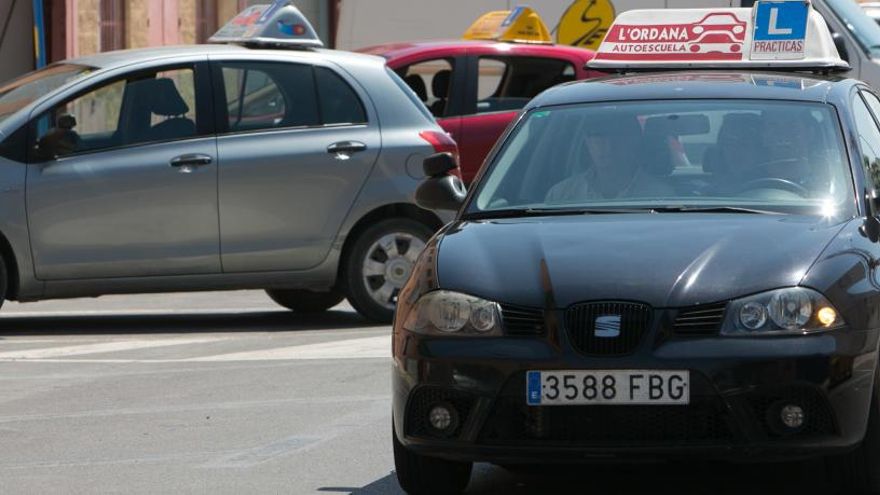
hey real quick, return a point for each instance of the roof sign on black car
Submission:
(779, 34)
(278, 24)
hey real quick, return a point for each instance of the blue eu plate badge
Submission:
(533, 388)
(780, 30)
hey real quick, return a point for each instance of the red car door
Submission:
(498, 86)
(476, 136)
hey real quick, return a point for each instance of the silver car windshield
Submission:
(24, 90)
(784, 157)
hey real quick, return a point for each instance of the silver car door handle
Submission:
(344, 149)
(187, 163)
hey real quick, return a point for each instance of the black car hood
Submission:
(665, 259)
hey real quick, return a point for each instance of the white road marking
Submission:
(76, 350)
(146, 312)
(370, 347)
(361, 348)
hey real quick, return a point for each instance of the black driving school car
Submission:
(659, 263)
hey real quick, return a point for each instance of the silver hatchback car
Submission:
(214, 167)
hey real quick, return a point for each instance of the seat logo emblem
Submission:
(607, 326)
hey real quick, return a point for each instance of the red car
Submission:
(476, 88)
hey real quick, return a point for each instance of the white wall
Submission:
(16, 47)
(371, 22)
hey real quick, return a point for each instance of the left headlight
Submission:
(443, 312)
(793, 310)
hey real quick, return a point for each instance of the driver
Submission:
(612, 150)
(788, 138)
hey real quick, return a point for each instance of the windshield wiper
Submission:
(712, 209)
(546, 212)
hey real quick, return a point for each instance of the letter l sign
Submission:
(772, 29)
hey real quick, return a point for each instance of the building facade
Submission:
(92, 26)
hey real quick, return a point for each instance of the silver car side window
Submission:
(340, 105)
(261, 95)
(148, 108)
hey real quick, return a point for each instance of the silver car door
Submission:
(122, 181)
(296, 144)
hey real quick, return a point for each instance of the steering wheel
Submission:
(775, 183)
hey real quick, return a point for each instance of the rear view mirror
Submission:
(680, 125)
(440, 191)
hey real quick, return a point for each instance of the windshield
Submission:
(22, 91)
(780, 157)
(862, 27)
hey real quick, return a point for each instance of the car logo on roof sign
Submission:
(607, 326)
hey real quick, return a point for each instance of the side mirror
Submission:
(840, 44)
(439, 165)
(439, 190)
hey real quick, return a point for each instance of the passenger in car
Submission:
(611, 166)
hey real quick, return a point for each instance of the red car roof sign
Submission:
(715, 36)
(772, 34)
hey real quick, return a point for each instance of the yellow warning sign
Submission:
(585, 23)
(522, 25)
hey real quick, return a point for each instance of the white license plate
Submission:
(558, 388)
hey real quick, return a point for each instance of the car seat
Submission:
(657, 148)
(736, 129)
(417, 84)
(167, 102)
(440, 89)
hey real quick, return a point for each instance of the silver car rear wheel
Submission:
(380, 263)
(388, 264)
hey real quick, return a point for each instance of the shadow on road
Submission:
(268, 321)
(638, 479)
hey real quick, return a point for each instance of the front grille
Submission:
(699, 320)
(617, 334)
(425, 398)
(704, 421)
(521, 320)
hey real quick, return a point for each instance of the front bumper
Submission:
(736, 384)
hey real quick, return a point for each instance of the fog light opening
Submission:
(443, 418)
(792, 416)
(786, 418)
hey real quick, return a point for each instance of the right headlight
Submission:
(444, 312)
(793, 310)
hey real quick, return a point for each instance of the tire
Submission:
(305, 301)
(379, 263)
(421, 475)
(858, 472)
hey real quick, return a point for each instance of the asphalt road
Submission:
(226, 393)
